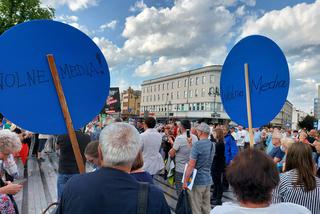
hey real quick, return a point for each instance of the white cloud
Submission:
(189, 30)
(296, 29)
(292, 27)
(72, 4)
(73, 21)
(138, 6)
(123, 84)
(109, 25)
(113, 54)
(67, 18)
(161, 66)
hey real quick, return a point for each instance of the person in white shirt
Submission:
(242, 136)
(252, 176)
(151, 141)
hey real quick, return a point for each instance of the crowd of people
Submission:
(279, 174)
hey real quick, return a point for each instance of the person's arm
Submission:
(276, 160)
(191, 165)
(172, 153)
(10, 188)
(175, 148)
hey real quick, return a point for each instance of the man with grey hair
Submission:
(112, 189)
(201, 158)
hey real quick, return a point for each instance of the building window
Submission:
(158, 97)
(190, 94)
(207, 106)
(185, 82)
(194, 106)
(154, 97)
(167, 86)
(191, 81)
(172, 85)
(211, 78)
(179, 83)
(163, 86)
(203, 79)
(159, 87)
(143, 98)
(218, 107)
(202, 106)
(185, 94)
(198, 106)
(197, 80)
(162, 97)
(144, 90)
(196, 93)
(150, 88)
(171, 95)
(178, 95)
(147, 89)
(150, 98)
(147, 98)
(203, 91)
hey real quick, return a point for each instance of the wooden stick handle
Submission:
(246, 72)
(66, 113)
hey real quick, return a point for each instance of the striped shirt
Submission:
(286, 192)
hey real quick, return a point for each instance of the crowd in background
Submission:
(174, 150)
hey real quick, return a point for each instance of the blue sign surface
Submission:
(27, 92)
(268, 78)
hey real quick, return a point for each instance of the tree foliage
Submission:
(307, 122)
(13, 12)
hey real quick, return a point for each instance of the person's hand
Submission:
(184, 186)
(317, 146)
(11, 188)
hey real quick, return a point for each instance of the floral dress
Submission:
(6, 205)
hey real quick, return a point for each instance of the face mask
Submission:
(282, 148)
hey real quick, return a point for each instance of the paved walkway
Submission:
(40, 190)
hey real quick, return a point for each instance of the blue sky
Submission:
(146, 39)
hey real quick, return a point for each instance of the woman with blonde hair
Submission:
(299, 184)
(9, 144)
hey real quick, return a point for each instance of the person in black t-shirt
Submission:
(67, 161)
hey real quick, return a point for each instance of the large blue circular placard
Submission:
(27, 92)
(268, 78)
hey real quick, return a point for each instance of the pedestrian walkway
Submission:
(40, 189)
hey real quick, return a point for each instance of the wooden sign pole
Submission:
(246, 71)
(66, 113)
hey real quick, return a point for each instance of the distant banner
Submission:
(113, 104)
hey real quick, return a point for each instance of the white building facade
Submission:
(297, 115)
(184, 95)
(193, 94)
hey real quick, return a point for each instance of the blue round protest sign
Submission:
(27, 92)
(268, 80)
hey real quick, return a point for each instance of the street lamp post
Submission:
(214, 91)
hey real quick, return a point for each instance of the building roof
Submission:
(182, 74)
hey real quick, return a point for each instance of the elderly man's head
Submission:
(276, 138)
(119, 145)
(9, 143)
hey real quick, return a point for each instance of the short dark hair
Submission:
(150, 122)
(92, 149)
(253, 175)
(185, 124)
(138, 162)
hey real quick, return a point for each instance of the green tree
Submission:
(13, 12)
(307, 122)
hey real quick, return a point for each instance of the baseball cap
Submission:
(203, 127)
